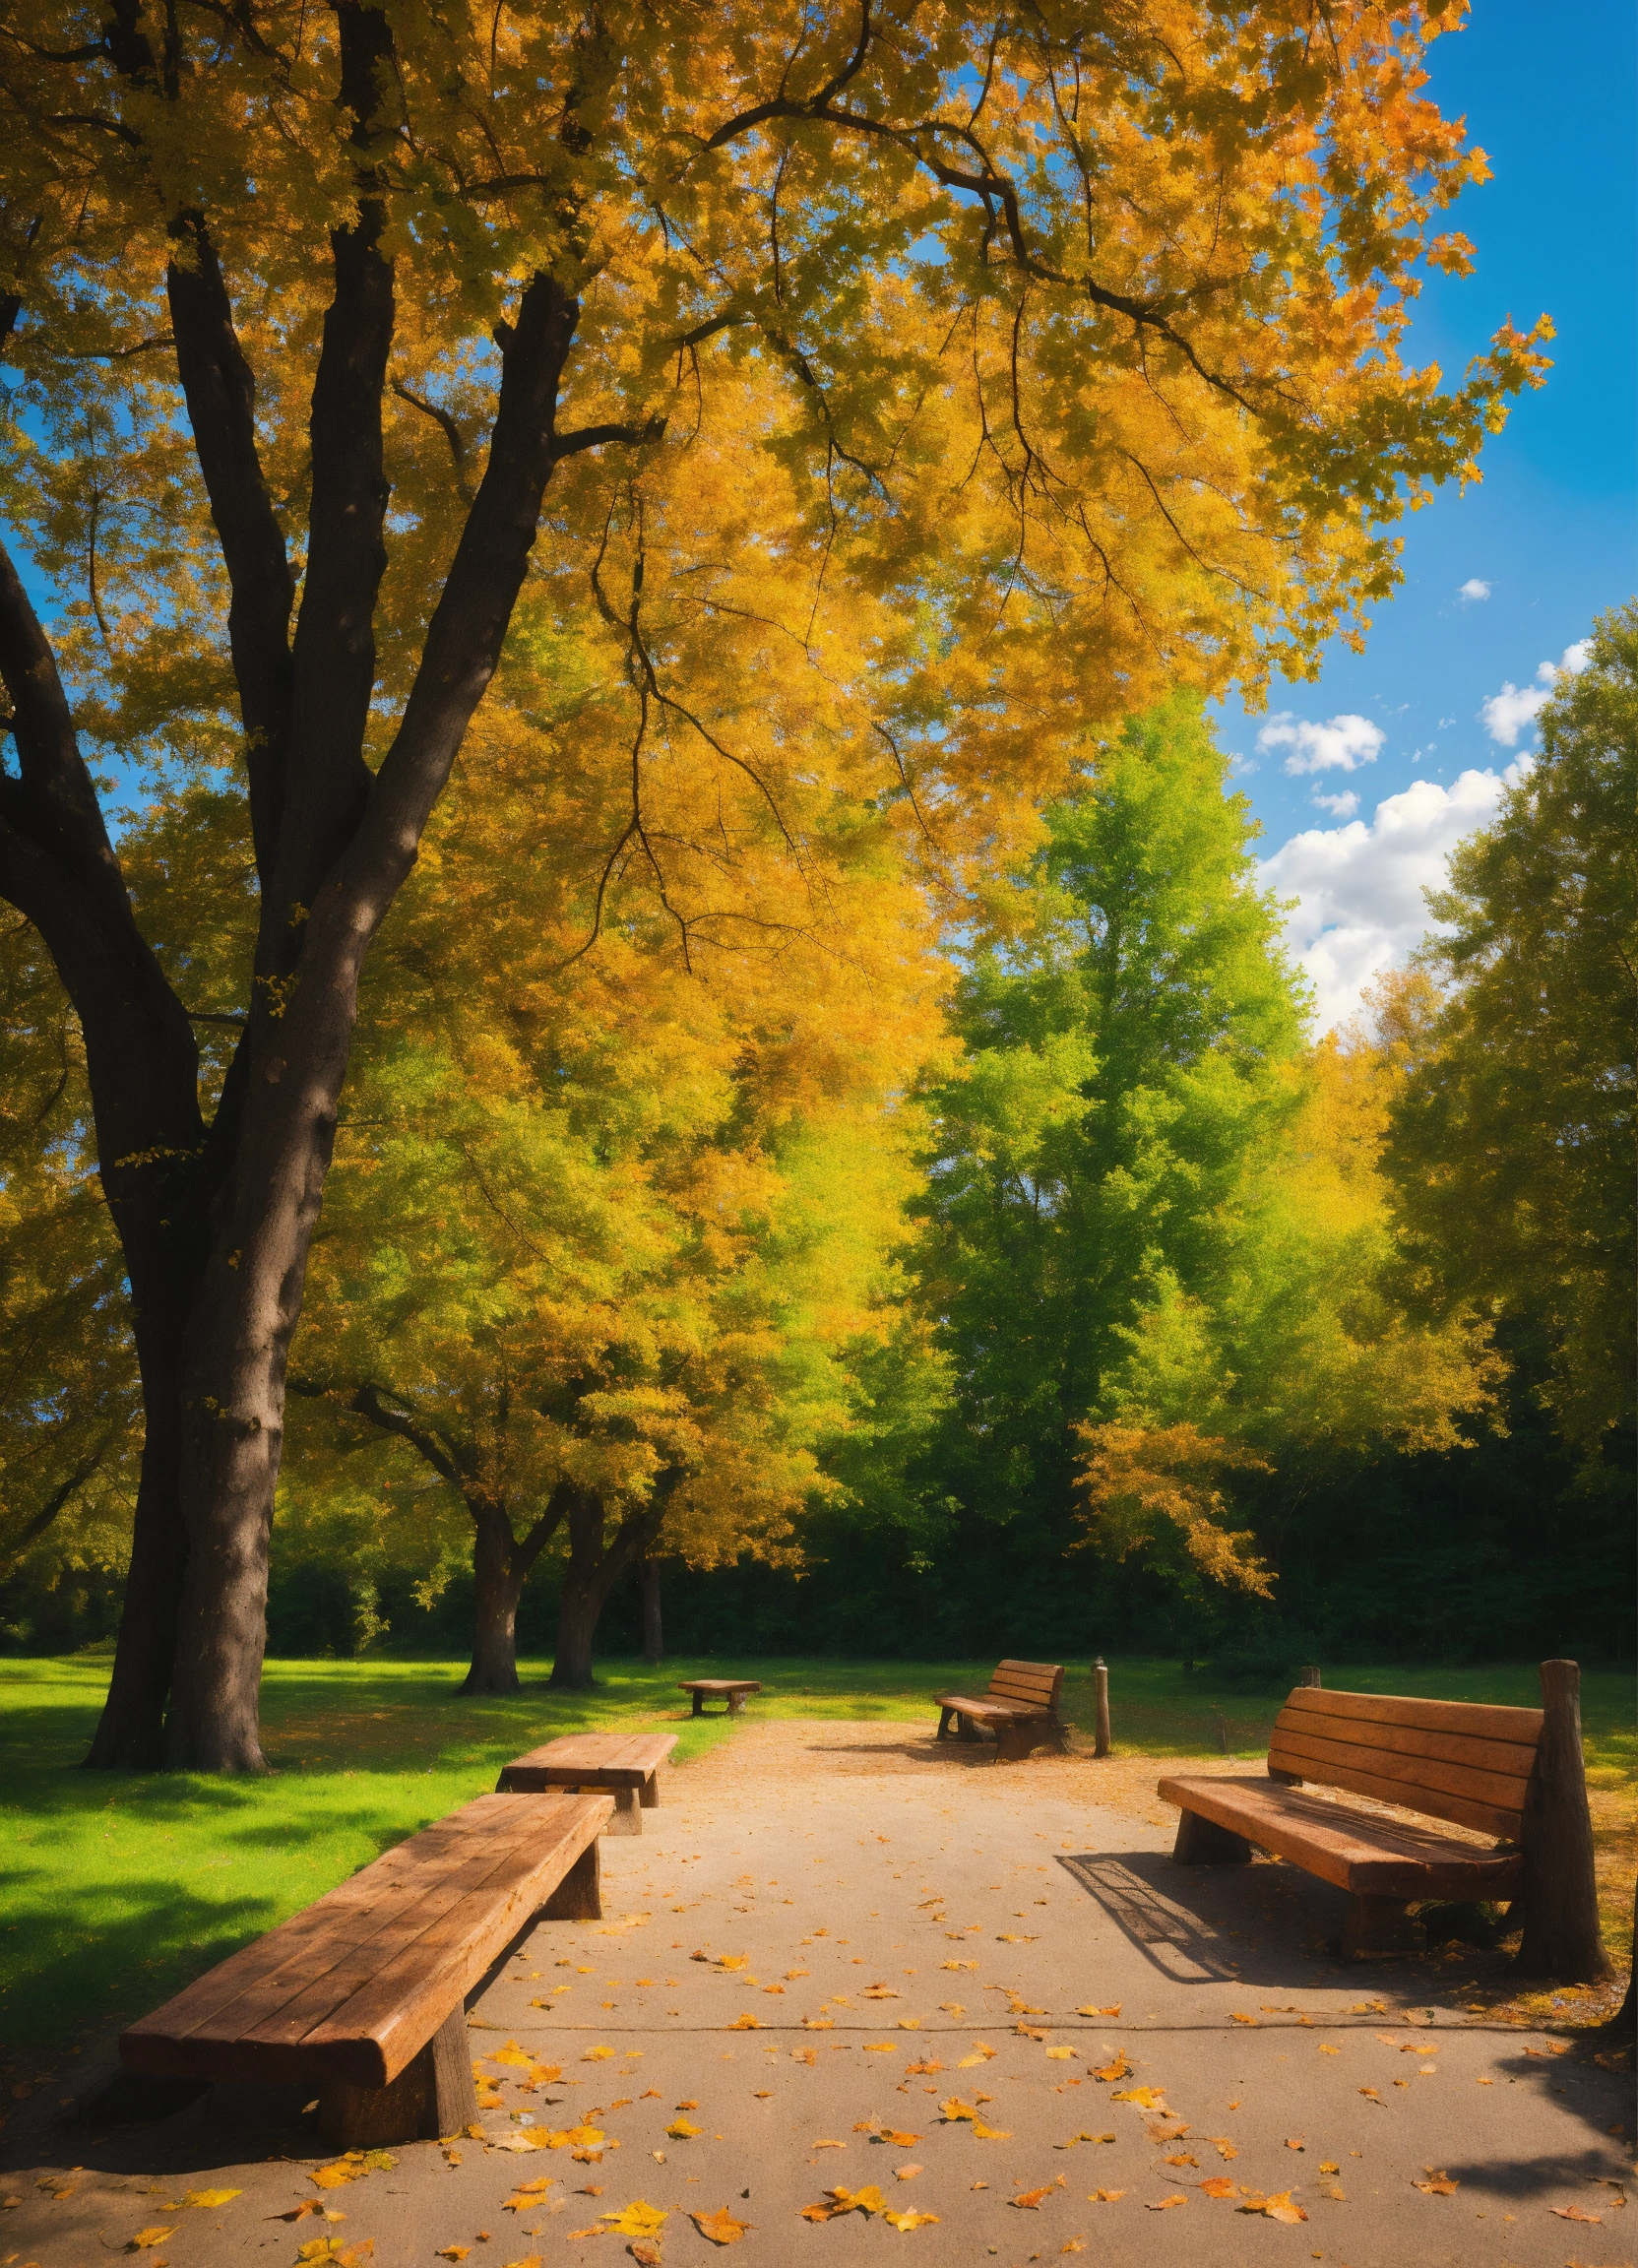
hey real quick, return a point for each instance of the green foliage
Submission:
(1512, 1150)
(1123, 1069)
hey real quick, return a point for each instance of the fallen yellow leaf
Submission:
(1166, 2203)
(510, 2054)
(1060, 2055)
(1103, 2196)
(721, 2227)
(1219, 2185)
(207, 2199)
(1279, 2206)
(683, 2131)
(992, 2133)
(907, 2221)
(1437, 2186)
(1570, 2213)
(1115, 2070)
(1114, 2011)
(637, 2219)
(1145, 2096)
(746, 2023)
(453, 2251)
(145, 2237)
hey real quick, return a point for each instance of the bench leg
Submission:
(736, 1702)
(1203, 1843)
(578, 1896)
(649, 1796)
(1377, 1929)
(1013, 1742)
(698, 1704)
(627, 1819)
(431, 2095)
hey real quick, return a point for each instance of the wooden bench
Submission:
(1021, 1708)
(624, 1765)
(362, 1995)
(1512, 1773)
(730, 1689)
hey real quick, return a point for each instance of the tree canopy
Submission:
(1069, 347)
(1512, 1147)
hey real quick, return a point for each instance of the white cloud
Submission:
(1341, 744)
(1510, 712)
(1473, 590)
(1341, 806)
(1360, 887)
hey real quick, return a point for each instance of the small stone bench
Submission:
(361, 1995)
(624, 1765)
(1513, 1772)
(732, 1690)
(1020, 1709)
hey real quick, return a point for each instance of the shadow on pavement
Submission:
(1264, 1925)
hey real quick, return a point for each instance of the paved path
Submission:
(833, 1931)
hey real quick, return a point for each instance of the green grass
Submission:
(119, 1887)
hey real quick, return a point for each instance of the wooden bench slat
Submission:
(1487, 1818)
(1372, 1858)
(298, 2002)
(1504, 1790)
(1508, 1757)
(361, 1922)
(613, 1759)
(491, 1882)
(1478, 1720)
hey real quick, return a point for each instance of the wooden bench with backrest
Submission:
(624, 1765)
(362, 1996)
(1021, 1708)
(1512, 1773)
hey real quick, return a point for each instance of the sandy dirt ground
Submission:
(854, 1990)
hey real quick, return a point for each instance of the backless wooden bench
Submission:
(362, 1995)
(1513, 1772)
(624, 1765)
(1021, 1707)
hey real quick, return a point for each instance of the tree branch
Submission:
(220, 389)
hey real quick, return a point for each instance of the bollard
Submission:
(1309, 1674)
(1100, 1679)
(1222, 1733)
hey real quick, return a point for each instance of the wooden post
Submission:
(1222, 1733)
(1309, 1674)
(1561, 1937)
(1100, 1679)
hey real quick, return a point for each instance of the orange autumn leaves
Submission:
(868, 2201)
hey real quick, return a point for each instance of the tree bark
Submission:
(1560, 1898)
(654, 1630)
(594, 1567)
(498, 1583)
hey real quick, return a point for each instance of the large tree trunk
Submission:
(594, 1567)
(498, 1583)
(130, 1733)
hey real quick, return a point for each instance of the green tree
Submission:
(1512, 1150)
(1126, 1062)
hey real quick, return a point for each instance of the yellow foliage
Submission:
(1133, 1478)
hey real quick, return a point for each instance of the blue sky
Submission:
(1548, 93)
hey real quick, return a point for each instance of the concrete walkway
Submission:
(843, 1959)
